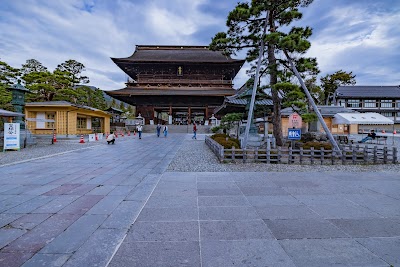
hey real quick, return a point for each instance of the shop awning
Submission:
(360, 118)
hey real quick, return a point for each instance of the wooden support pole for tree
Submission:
(311, 100)
(253, 95)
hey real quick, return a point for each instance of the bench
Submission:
(378, 140)
(343, 139)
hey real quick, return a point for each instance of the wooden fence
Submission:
(350, 154)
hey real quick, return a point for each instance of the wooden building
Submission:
(184, 83)
(70, 119)
(328, 113)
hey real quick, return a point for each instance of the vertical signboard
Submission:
(295, 120)
(11, 136)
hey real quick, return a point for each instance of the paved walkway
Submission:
(115, 205)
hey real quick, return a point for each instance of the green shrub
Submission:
(220, 139)
(317, 145)
(218, 135)
(229, 144)
(307, 137)
(226, 141)
(215, 129)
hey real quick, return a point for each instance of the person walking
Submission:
(194, 131)
(139, 129)
(158, 130)
(165, 130)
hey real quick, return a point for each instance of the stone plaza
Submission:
(169, 202)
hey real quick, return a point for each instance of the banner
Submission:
(11, 136)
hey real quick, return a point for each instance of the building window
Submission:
(386, 103)
(370, 103)
(81, 123)
(50, 116)
(353, 103)
(397, 103)
(388, 114)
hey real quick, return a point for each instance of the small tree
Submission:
(32, 65)
(8, 76)
(231, 120)
(331, 82)
(74, 69)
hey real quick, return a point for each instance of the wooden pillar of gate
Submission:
(189, 115)
(170, 116)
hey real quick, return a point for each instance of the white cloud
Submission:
(355, 40)
(93, 31)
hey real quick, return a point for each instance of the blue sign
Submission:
(294, 134)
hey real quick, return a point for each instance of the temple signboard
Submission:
(295, 120)
(11, 136)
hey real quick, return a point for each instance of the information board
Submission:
(294, 134)
(11, 136)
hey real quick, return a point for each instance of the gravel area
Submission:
(43, 148)
(195, 156)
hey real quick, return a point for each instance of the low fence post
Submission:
(366, 154)
(233, 154)
(256, 155)
(385, 155)
(279, 154)
(244, 155)
(301, 155)
(268, 151)
(394, 155)
(322, 155)
(344, 155)
(222, 153)
(354, 155)
(290, 155)
(312, 155)
(375, 154)
(333, 156)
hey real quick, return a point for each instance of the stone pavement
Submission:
(115, 205)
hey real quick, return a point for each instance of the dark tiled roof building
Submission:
(188, 80)
(384, 100)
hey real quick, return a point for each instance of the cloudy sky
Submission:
(362, 36)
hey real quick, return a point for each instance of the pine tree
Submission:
(245, 31)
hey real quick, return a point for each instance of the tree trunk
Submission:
(276, 114)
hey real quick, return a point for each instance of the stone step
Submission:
(201, 129)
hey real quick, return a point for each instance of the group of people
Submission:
(139, 129)
(165, 130)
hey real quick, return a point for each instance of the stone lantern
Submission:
(18, 100)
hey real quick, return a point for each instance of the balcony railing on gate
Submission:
(350, 154)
